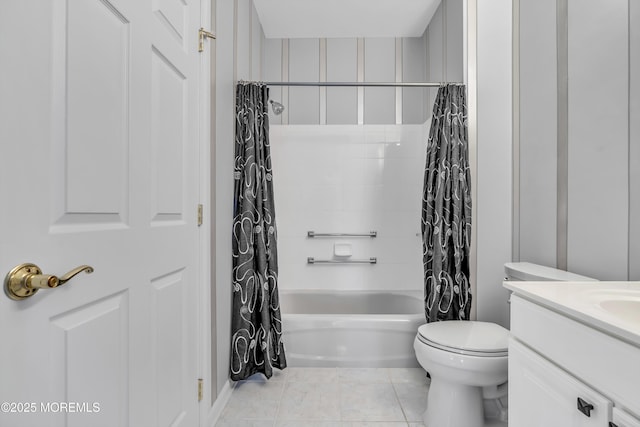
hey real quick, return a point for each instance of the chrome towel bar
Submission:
(312, 260)
(369, 234)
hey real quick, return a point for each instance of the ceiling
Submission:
(344, 18)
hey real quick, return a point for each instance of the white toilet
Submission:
(466, 357)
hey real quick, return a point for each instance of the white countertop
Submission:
(607, 306)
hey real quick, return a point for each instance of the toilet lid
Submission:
(466, 337)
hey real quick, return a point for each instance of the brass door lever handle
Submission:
(25, 280)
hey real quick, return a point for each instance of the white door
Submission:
(98, 166)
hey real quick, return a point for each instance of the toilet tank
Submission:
(526, 271)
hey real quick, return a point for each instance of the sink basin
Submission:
(621, 304)
(627, 310)
(612, 307)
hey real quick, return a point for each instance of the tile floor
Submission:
(329, 397)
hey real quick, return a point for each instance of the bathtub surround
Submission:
(446, 210)
(349, 179)
(256, 342)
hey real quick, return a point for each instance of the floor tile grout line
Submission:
(340, 415)
(284, 387)
(404, 414)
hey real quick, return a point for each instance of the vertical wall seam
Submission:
(235, 46)
(323, 78)
(285, 78)
(562, 219)
(261, 56)
(360, 57)
(250, 52)
(629, 165)
(515, 213)
(427, 73)
(444, 41)
(399, 78)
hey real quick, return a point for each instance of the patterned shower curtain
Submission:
(256, 342)
(446, 210)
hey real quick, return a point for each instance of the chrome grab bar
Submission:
(369, 234)
(312, 260)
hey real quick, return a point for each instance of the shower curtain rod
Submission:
(363, 84)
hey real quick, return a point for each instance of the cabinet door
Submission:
(542, 395)
(623, 419)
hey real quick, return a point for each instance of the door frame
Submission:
(206, 290)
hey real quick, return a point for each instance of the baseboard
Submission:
(218, 406)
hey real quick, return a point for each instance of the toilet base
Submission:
(453, 405)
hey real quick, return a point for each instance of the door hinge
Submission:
(200, 209)
(200, 389)
(202, 33)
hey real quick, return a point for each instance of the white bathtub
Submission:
(351, 328)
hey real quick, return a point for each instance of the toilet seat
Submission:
(481, 339)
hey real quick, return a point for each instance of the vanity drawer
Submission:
(601, 361)
(623, 419)
(541, 394)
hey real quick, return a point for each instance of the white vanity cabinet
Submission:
(567, 369)
(541, 394)
(623, 419)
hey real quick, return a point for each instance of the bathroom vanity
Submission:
(574, 354)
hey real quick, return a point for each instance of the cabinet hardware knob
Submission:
(585, 407)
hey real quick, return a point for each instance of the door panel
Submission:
(172, 13)
(97, 72)
(168, 124)
(98, 130)
(70, 333)
(169, 301)
(91, 114)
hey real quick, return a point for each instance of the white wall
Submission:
(493, 202)
(249, 40)
(444, 40)
(538, 132)
(342, 66)
(272, 71)
(598, 138)
(349, 179)
(304, 60)
(416, 102)
(436, 56)
(304, 66)
(603, 206)
(380, 66)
